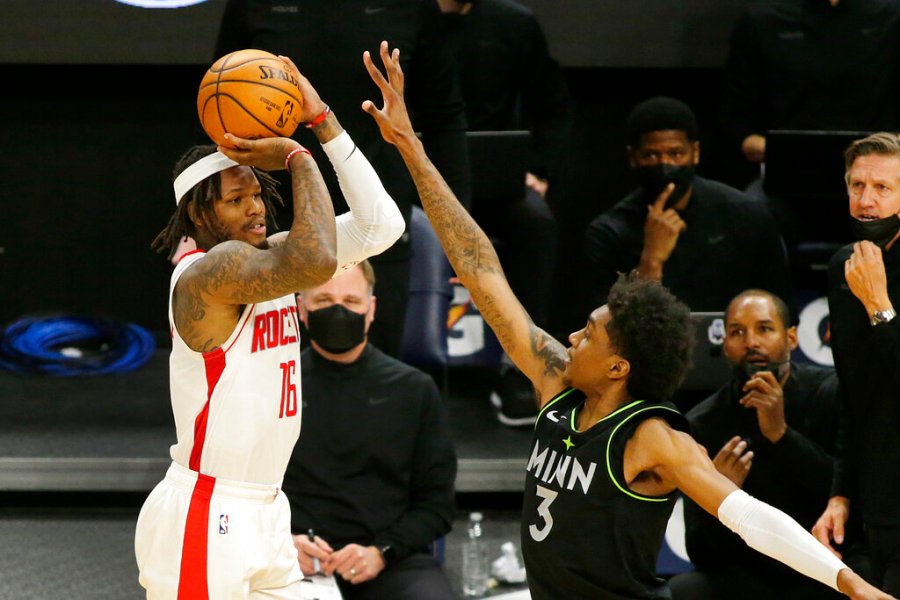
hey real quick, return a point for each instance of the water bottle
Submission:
(475, 559)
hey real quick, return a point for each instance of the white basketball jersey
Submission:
(237, 408)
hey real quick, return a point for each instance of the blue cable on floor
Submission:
(66, 346)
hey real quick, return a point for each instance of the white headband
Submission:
(200, 170)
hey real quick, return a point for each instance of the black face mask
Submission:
(743, 373)
(879, 231)
(653, 179)
(336, 328)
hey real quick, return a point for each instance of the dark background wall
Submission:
(85, 178)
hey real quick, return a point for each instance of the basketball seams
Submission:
(246, 113)
(227, 66)
(237, 97)
(252, 82)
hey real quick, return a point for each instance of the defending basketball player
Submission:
(217, 525)
(609, 454)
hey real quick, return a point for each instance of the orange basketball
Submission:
(249, 93)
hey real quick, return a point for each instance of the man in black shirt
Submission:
(703, 240)
(863, 285)
(373, 472)
(772, 430)
(326, 39)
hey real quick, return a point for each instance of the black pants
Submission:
(884, 553)
(416, 577)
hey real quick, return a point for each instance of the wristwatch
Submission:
(883, 316)
(387, 553)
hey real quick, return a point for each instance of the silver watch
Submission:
(883, 316)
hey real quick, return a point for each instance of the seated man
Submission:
(702, 239)
(373, 473)
(772, 431)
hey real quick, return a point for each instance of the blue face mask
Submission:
(336, 328)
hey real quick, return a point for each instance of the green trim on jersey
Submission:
(609, 416)
(612, 477)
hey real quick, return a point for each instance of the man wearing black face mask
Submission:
(863, 284)
(703, 240)
(772, 430)
(373, 472)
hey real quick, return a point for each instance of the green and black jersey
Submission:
(585, 534)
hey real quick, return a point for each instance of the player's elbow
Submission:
(394, 226)
(320, 269)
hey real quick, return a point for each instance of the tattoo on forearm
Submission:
(470, 250)
(549, 351)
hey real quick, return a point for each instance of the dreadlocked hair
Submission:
(202, 196)
(652, 330)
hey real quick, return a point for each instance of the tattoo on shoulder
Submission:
(549, 351)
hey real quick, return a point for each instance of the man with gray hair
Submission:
(863, 284)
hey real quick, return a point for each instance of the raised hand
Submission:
(734, 461)
(866, 277)
(764, 393)
(392, 119)
(267, 154)
(312, 104)
(661, 231)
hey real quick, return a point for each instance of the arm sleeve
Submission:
(771, 532)
(431, 509)
(374, 222)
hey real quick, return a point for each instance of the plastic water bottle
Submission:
(475, 559)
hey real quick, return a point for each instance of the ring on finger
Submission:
(352, 572)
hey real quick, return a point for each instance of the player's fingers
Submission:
(374, 72)
(663, 197)
(838, 531)
(323, 544)
(746, 459)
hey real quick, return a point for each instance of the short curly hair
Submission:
(652, 330)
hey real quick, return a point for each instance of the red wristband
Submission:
(322, 116)
(292, 153)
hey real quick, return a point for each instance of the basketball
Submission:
(251, 94)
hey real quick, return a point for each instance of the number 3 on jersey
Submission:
(288, 390)
(543, 511)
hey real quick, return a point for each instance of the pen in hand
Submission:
(312, 538)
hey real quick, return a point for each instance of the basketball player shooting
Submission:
(609, 454)
(217, 525)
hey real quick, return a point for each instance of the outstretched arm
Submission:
(540, 357)
(681, 462)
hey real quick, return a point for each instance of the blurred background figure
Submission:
(510, 81)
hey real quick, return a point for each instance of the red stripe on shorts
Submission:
(192, 584)
(215, 364)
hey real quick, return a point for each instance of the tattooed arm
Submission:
(540, 357)
(210, 295)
